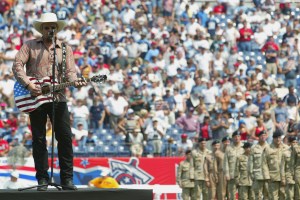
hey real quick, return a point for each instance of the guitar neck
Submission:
(67, 84)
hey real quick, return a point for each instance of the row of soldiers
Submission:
(261, 171)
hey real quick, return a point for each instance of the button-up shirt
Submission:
(38, 59)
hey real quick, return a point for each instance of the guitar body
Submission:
(25, 102)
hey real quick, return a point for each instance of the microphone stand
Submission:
(51, 181)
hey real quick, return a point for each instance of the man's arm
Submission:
(21, 59)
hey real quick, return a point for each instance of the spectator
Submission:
(205, 129)
(244, 41)
(184, 144)
(189, 123)
(251, 106)
(14, 182)
(89, 140)
(80, 114)
(80, 131)
(13, 138)
(280, 115)
(219, 125)
(116, 108)
(136, 139)
(4, 147)
(154, 133)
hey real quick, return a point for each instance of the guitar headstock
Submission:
(99, 78)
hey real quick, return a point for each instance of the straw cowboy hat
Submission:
(46, 18)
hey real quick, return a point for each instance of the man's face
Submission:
(188, 156)
(293, 143)
(262, 138)
(47, 27)
(236, 138)
(277, 140)
(216, 147)
(202, 145)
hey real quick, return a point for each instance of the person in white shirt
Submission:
(154, 133)
(184, 144)
(231, 34)
(210, 96)
(260, 37)
(80, 113)
(171, 69)
(136, 139)
(13, 182)
(203, 59)
(116, 108)
(79, 132)
(240, 102)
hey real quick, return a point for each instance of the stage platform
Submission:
(80, 194)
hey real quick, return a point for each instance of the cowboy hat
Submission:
(46, 18)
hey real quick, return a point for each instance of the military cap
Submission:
(225, 138)
(215, 142)
(247, 145)
(235, 133)
(277, 133)
(202, 139)
(187, 152)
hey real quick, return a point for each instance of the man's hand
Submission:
(34, 89)
(79, 83)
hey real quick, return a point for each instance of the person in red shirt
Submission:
(270, 43)
(205, 129)
(244, 42)
(219, 9)
(4, 147)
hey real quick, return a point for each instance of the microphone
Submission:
(51, 32)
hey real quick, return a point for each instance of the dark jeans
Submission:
(63, 136)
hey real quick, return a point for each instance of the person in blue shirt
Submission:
(152, 52)
(232, 109)
(202, 16)
(184, 18)
(86, 60)
(105, 48)
(143, 45)
(170, 100)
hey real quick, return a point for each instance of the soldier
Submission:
(242, 176)
(287, 178)
(295, 169)
(211, 170)
(225, 143)
(272, 157)
(199, 155)
(222, 184)
(185, 177)
(231, 154)
(256, 170)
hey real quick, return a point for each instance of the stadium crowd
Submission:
(178, 71)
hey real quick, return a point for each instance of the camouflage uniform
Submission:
(231, 154)
(295, 170)
(211, 175)
(287, 174)
(198, 160)
(259, 172)
(185, 179)
(243, 179)
(221, 185)
(272, 157)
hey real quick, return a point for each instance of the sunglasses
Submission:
(49, 27)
